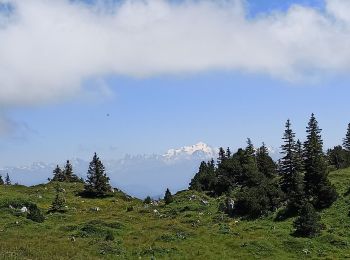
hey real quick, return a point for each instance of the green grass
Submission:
(185, 229)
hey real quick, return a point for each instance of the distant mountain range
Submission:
(139, 175)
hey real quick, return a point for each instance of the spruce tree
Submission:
(68, 171)
(317, 186)
(59, 202)
(58, 174)
(68, 175)
(291, 171)
(1, 181)
(7, 179)
(265, 163)
(97, 183)
(168, 198)
(222, 156)
(308, 223)
(346, 140)
(205, 179)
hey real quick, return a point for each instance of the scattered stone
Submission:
(205, 202)
(40, 196)
(155, 211)
(306, 251)
(193, 197)
(24, 209)
(72, 239)
(95, 209)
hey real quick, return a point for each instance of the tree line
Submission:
(297, 185)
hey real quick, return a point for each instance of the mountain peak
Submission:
(200, 147)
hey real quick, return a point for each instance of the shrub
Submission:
(308, 223)
(35, 214)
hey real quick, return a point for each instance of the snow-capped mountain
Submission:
(138, 175)
(199, 150)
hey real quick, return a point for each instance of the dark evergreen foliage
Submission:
(291, 171)
(1, 181)
(147, 200)
(308, 223)
(338, 157)
(59, 202)
(35, 214)
(346, 140)
(58, 174)
(7, 180)
(168, 198)
(205, 179)
(97, 183)
(265, 163)
(317, 186)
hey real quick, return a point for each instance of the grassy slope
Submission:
(186, 229)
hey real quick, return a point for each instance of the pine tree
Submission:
(308, 223)
(265, 163)
(59, 203)
(168, 198)
(97, 183)
(346, 140)
(317, 186)
(7, 179)
(58, 174)
(1, 181)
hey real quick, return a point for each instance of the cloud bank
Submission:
(48, 48)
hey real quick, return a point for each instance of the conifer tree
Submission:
(58, 174)
(1, 181)
(250, 150)
(265, 163)
(168, 198)
(205, 179)
(222, 156)
(308, 223)
(68, 171)
(68, 175)
(228, 153)
(97, 183)
(7, 179)
(59, 203)
(291, 171)
(346, 140)
(317, 186)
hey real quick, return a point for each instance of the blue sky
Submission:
(115, 114)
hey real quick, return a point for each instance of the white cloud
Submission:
(47, 48)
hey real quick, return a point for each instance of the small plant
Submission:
(147, 200)
(35, 214)
(59, 203)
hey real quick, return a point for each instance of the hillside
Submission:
(189, 228)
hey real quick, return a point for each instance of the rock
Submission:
(24, 209)
(40, 196)
(95, 209)
(155, 211)
(306, 251)
(205, 202)
(193, 197)
(72, 239)
(11, 207)
(230, 206)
